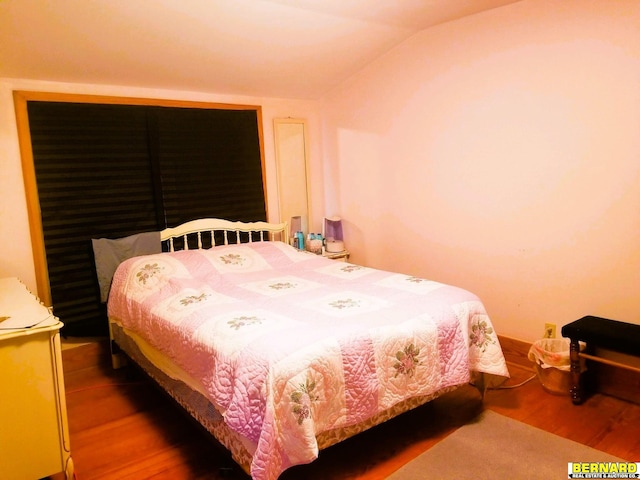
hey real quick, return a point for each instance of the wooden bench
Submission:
(597, 333)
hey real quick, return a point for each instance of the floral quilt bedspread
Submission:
(288, 344)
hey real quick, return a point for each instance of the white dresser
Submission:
(34, 433)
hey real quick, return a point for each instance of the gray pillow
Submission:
(108, 254)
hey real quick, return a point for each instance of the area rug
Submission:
(496, 447)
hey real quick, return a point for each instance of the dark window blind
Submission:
(210, 164)
(116, 170)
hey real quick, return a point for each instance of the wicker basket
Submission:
(552, 360)
(553, 380)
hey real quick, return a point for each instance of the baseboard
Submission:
(516, 352)
(617, 382)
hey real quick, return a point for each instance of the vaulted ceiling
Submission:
(271, 48)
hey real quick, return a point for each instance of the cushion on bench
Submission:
(610, 334)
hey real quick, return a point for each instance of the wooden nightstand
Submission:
(341, 256)
(34, 437)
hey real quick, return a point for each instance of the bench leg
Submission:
(577, 393)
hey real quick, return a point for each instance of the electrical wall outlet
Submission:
(549, 330)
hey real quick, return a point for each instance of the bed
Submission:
(280, 353)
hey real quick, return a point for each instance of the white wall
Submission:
(16, 258)
(500, 153)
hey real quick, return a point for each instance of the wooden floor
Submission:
(121, 427)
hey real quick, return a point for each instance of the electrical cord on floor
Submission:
(505, 387)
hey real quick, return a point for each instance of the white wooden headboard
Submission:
(212, 225)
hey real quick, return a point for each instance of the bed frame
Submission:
(192, 401)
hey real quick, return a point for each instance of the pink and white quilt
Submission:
(288, 344)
